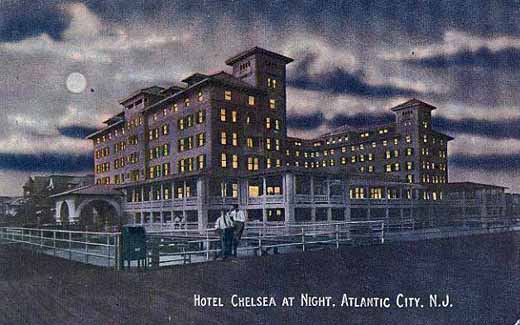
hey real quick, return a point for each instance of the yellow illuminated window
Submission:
(251, 100)
(227, 95)
(234, 163)
(272, 104)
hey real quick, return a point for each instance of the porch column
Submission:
(202, 211)
(288, 182)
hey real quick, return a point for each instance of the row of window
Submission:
(159, 151)
(433, 179)
(189, 121)
(154, 134)
(102, 168)
(192, 163)
(103, 152)
(187, 143)
(159, 170)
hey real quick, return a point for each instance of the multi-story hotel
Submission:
(221, 139)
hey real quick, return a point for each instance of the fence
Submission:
(184, 246)
(98, 248)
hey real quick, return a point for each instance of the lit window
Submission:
(201, 117)
(234, 163)
(251, 100)
(234, 116)
(268, 163)
(227, 95)
(175, 107)
(201, 139)
(272, 104)
(277, 124)
(200, 97)
(234, 140)
(268, 143)
(267, 122)
(165, 129)
(186, 102)
(201, 161)
(250, 143)
(223, 115)
(223, 160)
(223, 137)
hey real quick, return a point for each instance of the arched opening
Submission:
(64, 213)
(98, 214)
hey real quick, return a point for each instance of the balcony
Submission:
(218, 200)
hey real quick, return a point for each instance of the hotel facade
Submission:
(193, 150)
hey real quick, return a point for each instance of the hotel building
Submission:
(221, 139)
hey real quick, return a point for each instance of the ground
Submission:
(481, 274)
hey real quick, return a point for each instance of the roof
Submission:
(221, 77)
(347, 128)
(196, 77)
(154, 90)
(55, 183)
(90, 136)
(115, 118)
(93, 189)
(471, 186)
(447, 137)
(257, 50)
(415, 103)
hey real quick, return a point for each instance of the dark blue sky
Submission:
(353, 61)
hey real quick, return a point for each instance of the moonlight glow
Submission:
(76, 82)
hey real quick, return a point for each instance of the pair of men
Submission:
(230, 227)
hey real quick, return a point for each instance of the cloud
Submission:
(48, 163)
(76, 131)
(30, 18)
(508, 177)
(497, 129)
(473, 145)
(340, 81)
(453, 43)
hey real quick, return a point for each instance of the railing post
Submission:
(303, 239)
(382, 233)
(108, 250)
(86, 247)
(70, 245)
(54, 242)
(41, 238)
(207, 245)
(337, 236)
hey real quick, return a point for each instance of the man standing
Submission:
(224, 227)
(239, 219)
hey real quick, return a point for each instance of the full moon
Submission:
(76, 82)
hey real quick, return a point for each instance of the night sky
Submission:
(353, 61)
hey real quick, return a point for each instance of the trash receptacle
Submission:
(133, 245)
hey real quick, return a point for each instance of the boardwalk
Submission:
(481, 274)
